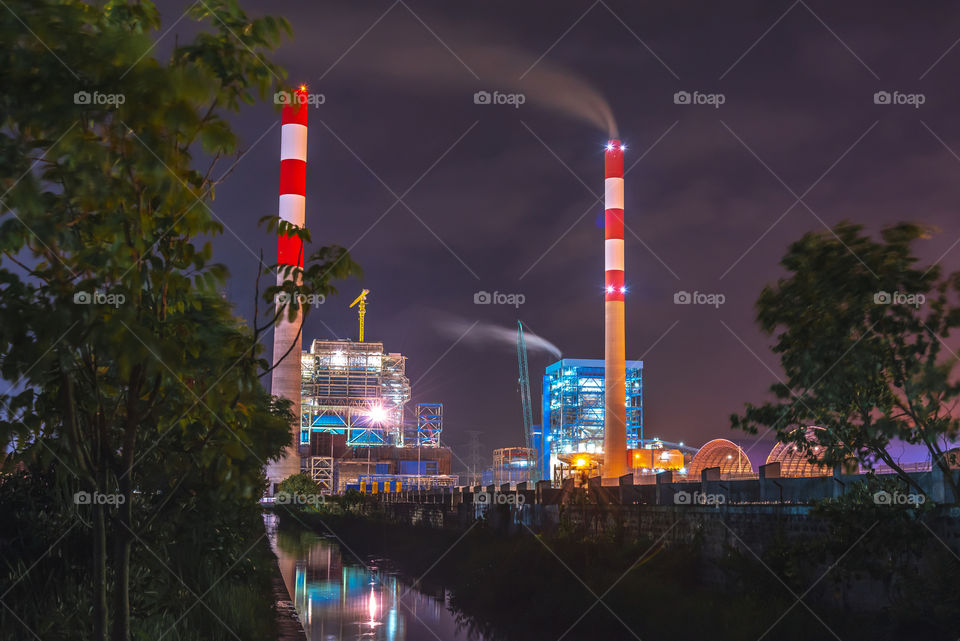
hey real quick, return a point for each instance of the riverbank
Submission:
(529, 587)
(288, 623)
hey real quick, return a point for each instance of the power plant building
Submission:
(353, 428)
(572, 410)
(354, 389)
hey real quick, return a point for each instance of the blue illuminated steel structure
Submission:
(572, 408)
(355, 389)
(429, 424)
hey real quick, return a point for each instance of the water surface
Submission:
(339, 597)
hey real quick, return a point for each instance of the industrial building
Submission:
(354, 431)
(514, 465)
(355, 389)
(572, 413)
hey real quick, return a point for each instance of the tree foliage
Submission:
(132, 378)
(861, 331)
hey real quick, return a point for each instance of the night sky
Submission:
(508, 198)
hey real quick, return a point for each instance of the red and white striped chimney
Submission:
(285, 378)
(615, 462)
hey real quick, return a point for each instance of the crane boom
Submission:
(524, 385)
(361, 301)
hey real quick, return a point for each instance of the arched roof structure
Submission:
(727, 455)
(794, 462)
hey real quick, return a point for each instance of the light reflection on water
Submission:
(339, 599)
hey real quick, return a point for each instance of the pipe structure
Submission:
(285, 378)
(615, 462)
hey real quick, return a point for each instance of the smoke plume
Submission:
(499, 68)
(486, 335)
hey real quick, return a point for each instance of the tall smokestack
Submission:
(285, 379)
(615, 372)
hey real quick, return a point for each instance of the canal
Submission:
(339, 597)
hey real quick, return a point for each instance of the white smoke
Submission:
(487, 334)
(491, 67)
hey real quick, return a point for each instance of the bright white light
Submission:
(372, 608)
(623, 290)
(610, 289)
(683, 470)
(378, 414)
(609, 146)
(623, 147)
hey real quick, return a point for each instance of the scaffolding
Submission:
(321, 470)
(354, 389)
(572, 407)
(429, 424)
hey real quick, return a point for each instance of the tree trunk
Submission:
(99, 573)
(124, 537)
(123, 541)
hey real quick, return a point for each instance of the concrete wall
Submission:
(741, 514)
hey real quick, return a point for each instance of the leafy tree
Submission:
(860, 331)
(133, 377)
(299, 485)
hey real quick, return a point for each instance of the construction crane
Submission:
(524, 385)
(361, 303)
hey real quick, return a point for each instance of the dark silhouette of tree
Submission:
(133, 378)
(860, 330)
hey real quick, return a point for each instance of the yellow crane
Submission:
(361, 303)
